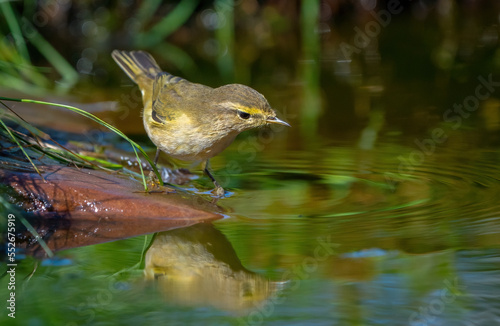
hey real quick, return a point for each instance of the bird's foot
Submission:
(153, 182)
(218, 191)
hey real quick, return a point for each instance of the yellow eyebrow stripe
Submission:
(251, 111)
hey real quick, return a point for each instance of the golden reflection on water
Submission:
(197, 266)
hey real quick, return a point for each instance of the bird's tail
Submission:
(136, 64)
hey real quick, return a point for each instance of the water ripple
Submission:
(346, 182)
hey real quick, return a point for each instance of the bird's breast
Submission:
(186, 139)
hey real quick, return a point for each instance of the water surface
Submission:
(380, 206)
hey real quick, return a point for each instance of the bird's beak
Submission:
(277, 121)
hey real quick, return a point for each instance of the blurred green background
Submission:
(393, 154)
(334, 58)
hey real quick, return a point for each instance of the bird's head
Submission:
(244, 108)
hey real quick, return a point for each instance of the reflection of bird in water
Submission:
(198, 266)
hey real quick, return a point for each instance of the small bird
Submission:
(190, 121)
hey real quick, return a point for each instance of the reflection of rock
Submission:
(72, 207)
(198, 266)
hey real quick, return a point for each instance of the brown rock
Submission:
(77, 207)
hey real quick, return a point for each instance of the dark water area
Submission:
(379, 206)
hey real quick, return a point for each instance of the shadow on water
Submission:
(380, 206)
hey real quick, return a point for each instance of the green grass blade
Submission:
(103, 123)
(12, 210)
(225, 36)
(38, 237)
(142, 172)
(59, 153)
(146, 11)
(20, 147)
(101, 162)
(177, 57)
(14, 65)
(167, 25)
(68, 73)
(15, 29)
(17, 83)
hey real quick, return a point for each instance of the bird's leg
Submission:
(157, 156)
(153, 179)
(218, 191)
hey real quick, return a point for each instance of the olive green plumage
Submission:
(190, 121)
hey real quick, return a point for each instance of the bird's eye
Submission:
(243, 115)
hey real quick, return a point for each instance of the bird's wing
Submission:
(170, 96)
